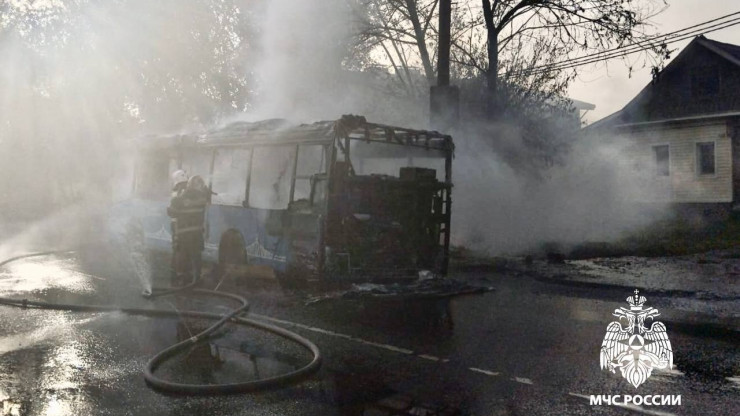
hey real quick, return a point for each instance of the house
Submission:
(580, 108)
(683, 130)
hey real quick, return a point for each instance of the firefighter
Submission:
(187, 209)
(179, 183)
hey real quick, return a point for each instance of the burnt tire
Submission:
(231, 252)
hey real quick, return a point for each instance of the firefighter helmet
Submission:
(196, 182)
(179, 176)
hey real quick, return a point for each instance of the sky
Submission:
(610, 87)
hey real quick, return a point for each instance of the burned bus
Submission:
(343, 199)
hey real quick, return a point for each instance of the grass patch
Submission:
(667, 238)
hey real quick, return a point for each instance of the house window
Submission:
(662, 159)
(704, 81)
(705, 158)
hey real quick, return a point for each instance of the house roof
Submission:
(726, 50)
(729, 52)
(581, 105)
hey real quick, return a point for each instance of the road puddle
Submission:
(235, 356)
(10, 408)
(366, 394)
(40, 274)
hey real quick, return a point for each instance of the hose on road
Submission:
(160, 384)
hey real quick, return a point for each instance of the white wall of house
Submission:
(684, 183)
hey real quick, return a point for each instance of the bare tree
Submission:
(568, 27)
(506, 55)
(503, 39)
(403, 32)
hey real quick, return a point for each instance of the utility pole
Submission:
(443, 62)
(444, 100)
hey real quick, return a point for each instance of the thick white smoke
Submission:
(75, 88)
(300, 72)
(592, 197)
(496, 207)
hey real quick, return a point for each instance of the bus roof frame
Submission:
(279, 132)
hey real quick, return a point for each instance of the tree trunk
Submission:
(492, 73)
(443, 59)
(491, 95)
(420, 40)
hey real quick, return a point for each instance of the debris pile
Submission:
(424, 287)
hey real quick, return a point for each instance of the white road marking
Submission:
(671, 372)
(383, 346)
(667, 376)
(482, 371)
(334, 334)
(633, 407)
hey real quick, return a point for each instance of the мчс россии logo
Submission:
(636, 349)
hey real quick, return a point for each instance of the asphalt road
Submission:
(525, 348)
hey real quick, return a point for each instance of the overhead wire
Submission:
(641, 46)
(648, 42)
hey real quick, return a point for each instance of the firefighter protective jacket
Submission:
(187, 210)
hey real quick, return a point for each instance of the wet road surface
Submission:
(525, 348)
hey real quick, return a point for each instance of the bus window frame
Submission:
(141, 164)
(315, 177)
(325, 167)
(248, 186)
(245, 195)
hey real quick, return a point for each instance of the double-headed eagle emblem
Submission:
(636, 349)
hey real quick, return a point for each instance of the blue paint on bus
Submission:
(262, 246)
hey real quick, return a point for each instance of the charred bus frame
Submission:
(338, 220)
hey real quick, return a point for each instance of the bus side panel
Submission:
(305, 230)
(261, 229)
(152, 217)
(264, 240)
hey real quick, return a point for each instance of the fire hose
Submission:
(162, 385)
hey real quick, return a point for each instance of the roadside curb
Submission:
(694, 322)
(654, 292)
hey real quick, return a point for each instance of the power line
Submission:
(666, 41)
(637, 46)
(643, 45)
(688, 36)
(640, 46)
(546, 68)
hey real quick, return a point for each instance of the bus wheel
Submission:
(232, 255)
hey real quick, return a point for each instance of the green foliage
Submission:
(78, 75)
(159, 62)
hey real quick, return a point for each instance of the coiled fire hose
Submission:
(232, 317)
